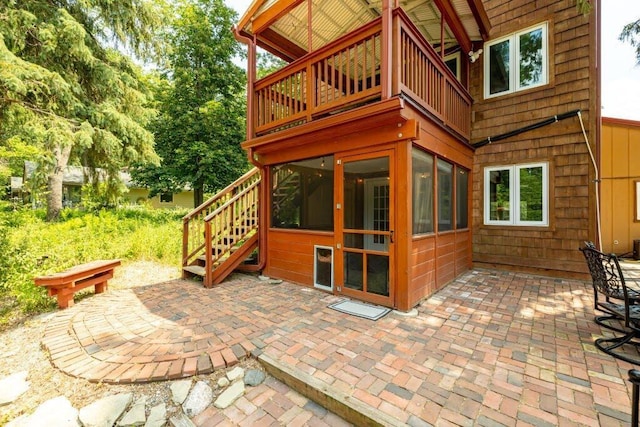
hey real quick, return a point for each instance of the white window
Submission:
(517, 195)
(453, 63)
(516, 62)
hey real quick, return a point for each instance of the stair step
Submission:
(198, 270)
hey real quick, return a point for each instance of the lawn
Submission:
(29, 247)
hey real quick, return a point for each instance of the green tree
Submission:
(66, 91)
(631, 34)
(201, 104)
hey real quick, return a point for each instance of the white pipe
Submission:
(597, 182)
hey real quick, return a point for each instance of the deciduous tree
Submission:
(202, 104)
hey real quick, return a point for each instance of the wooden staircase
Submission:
(220, 234)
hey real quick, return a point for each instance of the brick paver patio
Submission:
(491, 348)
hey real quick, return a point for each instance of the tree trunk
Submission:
(198, 195)
(54, 182)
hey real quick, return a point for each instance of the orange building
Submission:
(368, 182)
(620, 185)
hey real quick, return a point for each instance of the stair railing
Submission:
(229, 226)
(193, 224)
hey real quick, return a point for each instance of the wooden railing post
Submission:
(386, 54)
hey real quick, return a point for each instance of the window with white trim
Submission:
(516, 62)
(517, 195)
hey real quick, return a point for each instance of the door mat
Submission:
(360, 309)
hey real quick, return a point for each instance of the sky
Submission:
(620, 72)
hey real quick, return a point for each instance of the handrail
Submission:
(193, 234)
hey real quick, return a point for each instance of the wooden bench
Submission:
(64, 284)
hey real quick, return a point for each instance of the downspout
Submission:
(596, 181)
(251, 78)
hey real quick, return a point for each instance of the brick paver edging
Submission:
(123, 338)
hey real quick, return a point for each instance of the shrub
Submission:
(33, 247)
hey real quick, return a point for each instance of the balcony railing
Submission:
(346, 73)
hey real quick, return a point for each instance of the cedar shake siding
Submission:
(571, 85)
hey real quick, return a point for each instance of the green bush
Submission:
(32, 247)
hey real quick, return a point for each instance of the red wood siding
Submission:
(290, 254)
(572, 85)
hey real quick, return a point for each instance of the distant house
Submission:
(76, 176)
(620, 184)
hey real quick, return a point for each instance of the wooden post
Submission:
(385, 67)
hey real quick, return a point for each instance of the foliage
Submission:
(631, 34)
(268, 63)
(201, 104)
(66, 93)
(584, 6)
(32, 247)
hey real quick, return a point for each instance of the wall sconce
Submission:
(322, 163)
(473, 56)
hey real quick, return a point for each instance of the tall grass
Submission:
(31, 247)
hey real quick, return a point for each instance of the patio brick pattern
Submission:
(491, 348)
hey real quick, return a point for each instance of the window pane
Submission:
(531, 193)
(462, 192)
(499, 67)
(531, 70)
(422, 174)
(353, 274)
(378, 274)
(302, 194)
(499, 195)
(445, 196)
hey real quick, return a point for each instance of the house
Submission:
(386, 152)
(76, 176)
(620, 186)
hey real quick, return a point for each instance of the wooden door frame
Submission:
(339, 288)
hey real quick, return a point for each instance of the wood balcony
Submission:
(353, 70)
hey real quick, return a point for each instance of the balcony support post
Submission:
(251, 78)
(387, 40)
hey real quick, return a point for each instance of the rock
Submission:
(254, 377)
(12, 387)
(230, 395)
(157, 416)
(181, 420)
(223, 382)
(180, 390)
(235, 373)
(105, 412)
(136, 415)
(54, 412)
(199, 398)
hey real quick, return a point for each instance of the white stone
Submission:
(136, 415)
(223, 382)
(230, 395)
(157, 416)
(105, 412)
(181, 420)
(54, 412)
(199, 398)
(180, 390)
(235, 373)
(12, 387)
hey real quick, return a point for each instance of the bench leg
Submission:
(65, 299)
(101, 287)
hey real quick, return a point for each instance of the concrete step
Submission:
(330, 398)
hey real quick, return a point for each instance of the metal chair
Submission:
(608, 287)
(613, 297)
